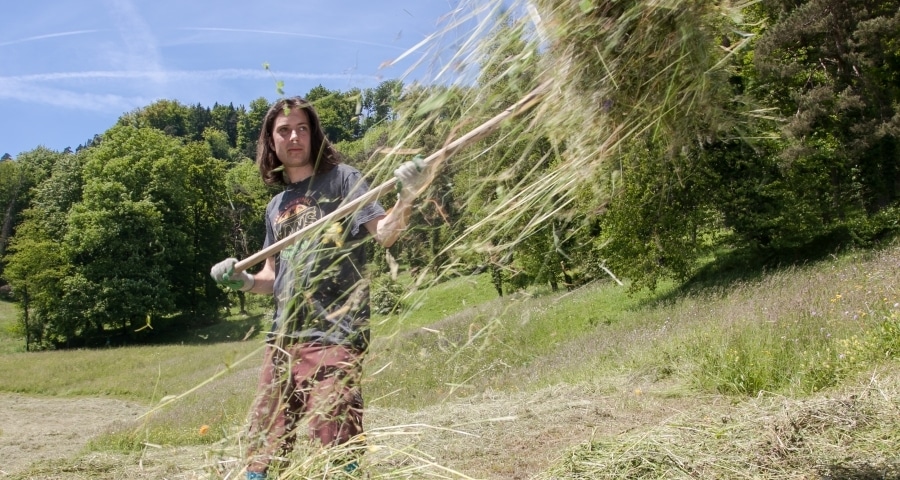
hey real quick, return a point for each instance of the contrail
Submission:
(49, 35)
(294, 34)
(226, 73)
(140, 45)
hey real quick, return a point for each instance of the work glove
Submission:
(413, 177)
(223, 273)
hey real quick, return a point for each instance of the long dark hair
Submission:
(326, 157)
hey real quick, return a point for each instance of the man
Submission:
(312, 367)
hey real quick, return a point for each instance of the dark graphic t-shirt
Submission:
(320, 293)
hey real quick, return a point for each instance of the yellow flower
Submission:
(203, 430)
(333, 235)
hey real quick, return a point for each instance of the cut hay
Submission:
(620, 75)
(851, 434)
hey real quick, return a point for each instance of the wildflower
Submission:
(203, 430)
(333, 235)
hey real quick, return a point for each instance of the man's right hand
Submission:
(223, 273)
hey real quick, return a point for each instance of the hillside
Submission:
(793, 374)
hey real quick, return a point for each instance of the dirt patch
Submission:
(38, 429)
(493, 435)
(517, 436)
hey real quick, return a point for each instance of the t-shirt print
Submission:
(297, 215)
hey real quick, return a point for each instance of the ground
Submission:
(508, 436)
(35, 429)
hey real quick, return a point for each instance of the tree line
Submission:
(800, 157)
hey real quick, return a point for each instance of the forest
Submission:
(753, 135)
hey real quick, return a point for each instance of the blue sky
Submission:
(70, 68)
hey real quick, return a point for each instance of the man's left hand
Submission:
(413, 177)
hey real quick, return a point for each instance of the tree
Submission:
(16, 183)
(168, 116)
(225, 119)
(245, 210)
(831, 69)
(217, 141)
(138, 238)
(377, 104)
(516, 248)
(653, 225)
(38, 261)
(199, 118)
(249, 125)
(337, 112)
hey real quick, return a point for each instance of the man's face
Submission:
(292, 138)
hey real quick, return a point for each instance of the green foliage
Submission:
(136, 214)
(245, 207)
(337, 112)
(217, 141)
(378, 104)
(37, 261)
(17, 179)
(830, 69)
(11, 332)
(249, 125)
(656, 225)
(168, 116)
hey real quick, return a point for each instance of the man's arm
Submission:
(387, 228)
(264, 280)
(413, 177)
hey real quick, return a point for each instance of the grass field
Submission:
(644, 373)
(10, 340)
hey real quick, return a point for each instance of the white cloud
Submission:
(27, 92)
(139, 48)
(47, 88)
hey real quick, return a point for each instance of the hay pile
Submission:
(849, 434)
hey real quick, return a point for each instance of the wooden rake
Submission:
(524, 104)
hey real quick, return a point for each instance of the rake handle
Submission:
(524, 104)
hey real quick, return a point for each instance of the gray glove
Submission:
(223, 273)
(413, 177)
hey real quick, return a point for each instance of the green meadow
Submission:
(805, 355)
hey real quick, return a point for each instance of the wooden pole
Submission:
(524, 104)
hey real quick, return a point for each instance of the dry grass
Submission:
(846, 433)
